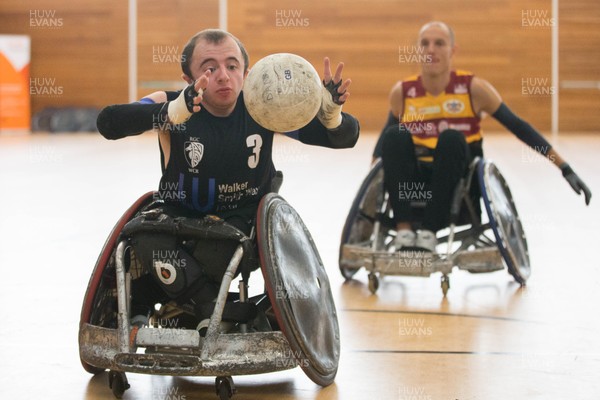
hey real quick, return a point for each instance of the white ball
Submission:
(282, 92)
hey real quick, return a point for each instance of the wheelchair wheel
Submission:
(364, 213)
(504, 221)
(299, 289)
(100, 301)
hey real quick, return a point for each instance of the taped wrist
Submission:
(330, 113)
(182, 108)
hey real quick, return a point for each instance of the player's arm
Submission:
(122, 120)
(331, 127)
(343, 137)
(486, 99)
(396, 110)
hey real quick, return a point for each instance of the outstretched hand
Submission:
(193, 100)
(188, 101)
(334, 94)
(341, 94)
(576, 183)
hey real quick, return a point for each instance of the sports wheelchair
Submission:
(294, 322)
(468, 243)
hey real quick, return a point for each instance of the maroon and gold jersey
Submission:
(426, 116)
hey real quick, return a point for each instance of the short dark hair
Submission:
(214, 36)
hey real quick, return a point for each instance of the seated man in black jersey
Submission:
(433, 133)
(215, 158)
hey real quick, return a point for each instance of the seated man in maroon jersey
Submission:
(433, 133)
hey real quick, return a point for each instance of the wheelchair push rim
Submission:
(299, 289)
(504, 221)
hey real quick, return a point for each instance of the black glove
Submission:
(332, 88)
(330, 113)
(575, 182)
(182, 108)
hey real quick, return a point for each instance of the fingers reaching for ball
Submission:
(200, 86)
(327, 77)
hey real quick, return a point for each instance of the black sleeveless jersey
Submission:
(218, 165)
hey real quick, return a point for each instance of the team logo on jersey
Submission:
(193, 153)
(461, 88)
(454, 106)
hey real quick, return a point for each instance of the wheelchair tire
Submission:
(99, 297)
(504, 220)
(299, 289)
(362, 216)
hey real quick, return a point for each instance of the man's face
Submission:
(226, 64)
(436, 44)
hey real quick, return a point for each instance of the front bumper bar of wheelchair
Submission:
(178, 352)
(420, 263)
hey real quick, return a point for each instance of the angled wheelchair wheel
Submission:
(365, 211)
(299, 289)
(100, 301)
(504, 221)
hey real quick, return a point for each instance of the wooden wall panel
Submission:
(370, 35)
(88, 54)
(162, 35)
(79, 49)
(579, 60)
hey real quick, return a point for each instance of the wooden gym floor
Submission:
(489, 339)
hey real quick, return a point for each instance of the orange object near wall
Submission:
(15, 104)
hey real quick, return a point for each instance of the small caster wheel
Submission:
(373, 282)
(225, 387)
(445, 284)
(117, 381)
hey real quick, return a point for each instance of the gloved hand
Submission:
(182, 108)
(334, 95)
(330, 113)
(188, 101)
(576, 182)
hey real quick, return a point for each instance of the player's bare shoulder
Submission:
(484, 95)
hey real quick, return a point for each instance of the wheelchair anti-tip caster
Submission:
(373, 282)
(117, 381)
(225, 387)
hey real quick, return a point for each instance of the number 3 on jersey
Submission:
(255, 143)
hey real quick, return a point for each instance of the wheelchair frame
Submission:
(180, 352)
(369, 233)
